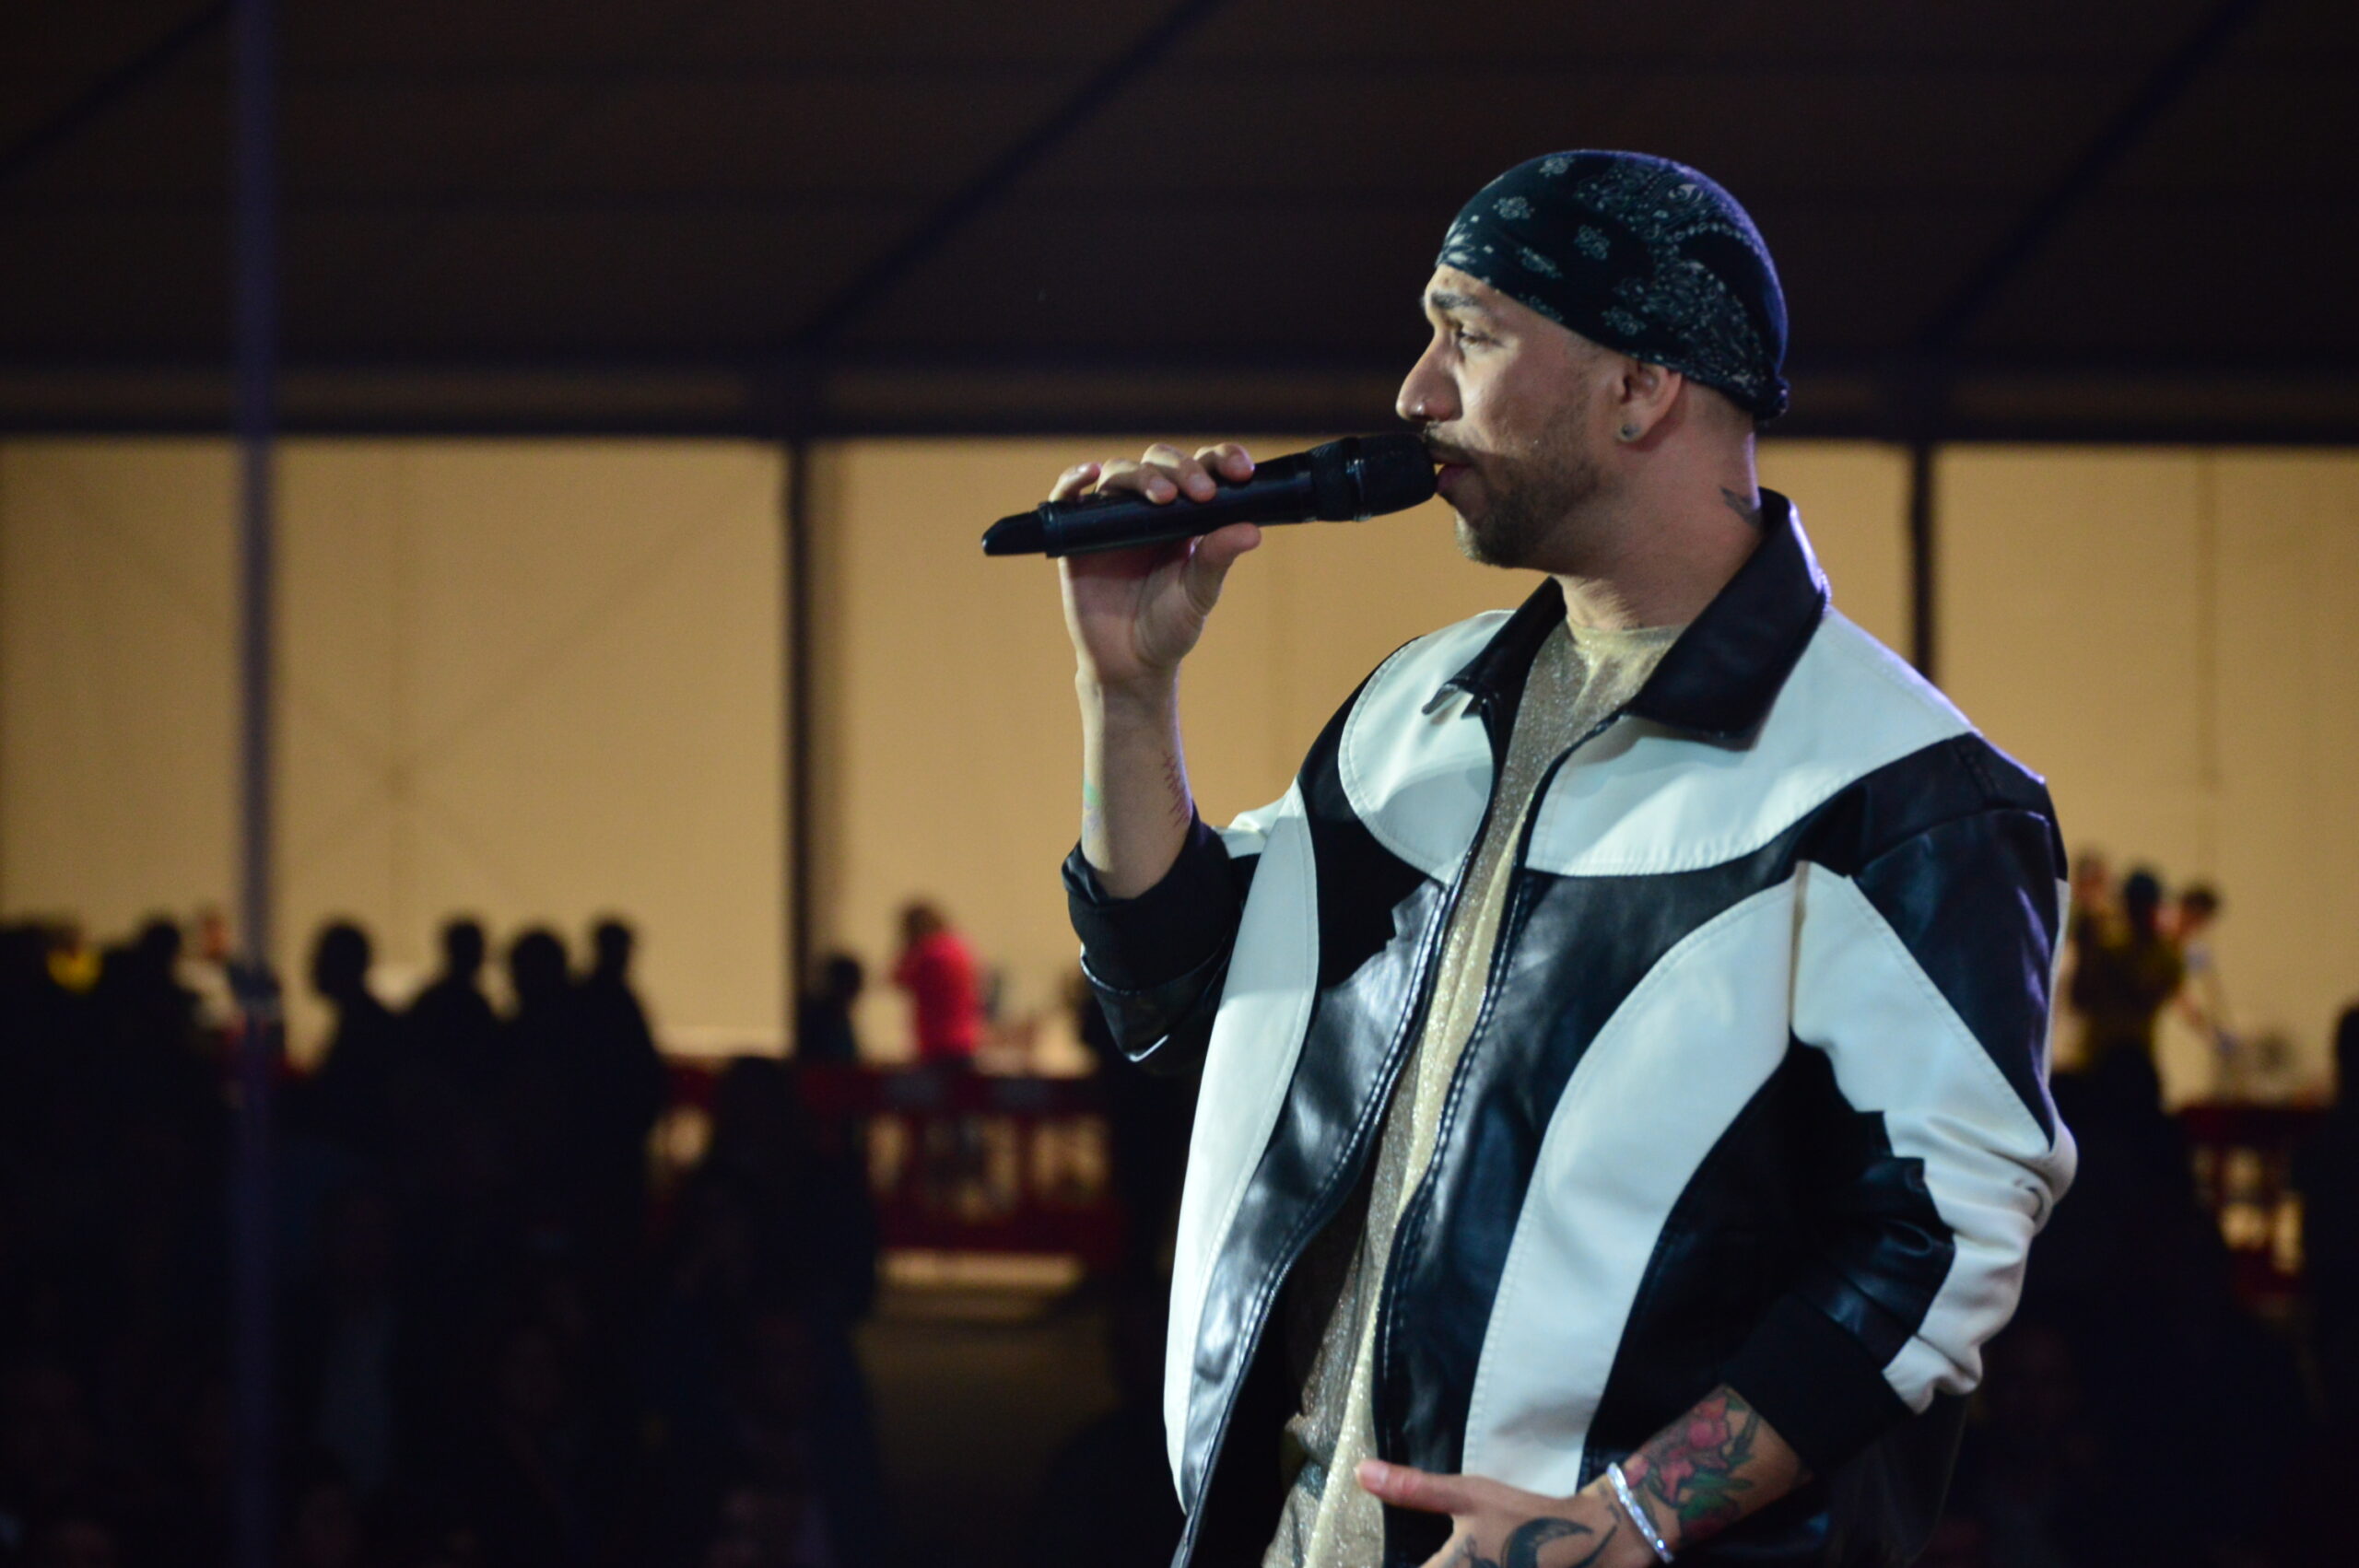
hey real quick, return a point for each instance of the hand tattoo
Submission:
(1691, 1468)
(1522, 1550)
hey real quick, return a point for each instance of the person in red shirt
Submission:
(938, 968)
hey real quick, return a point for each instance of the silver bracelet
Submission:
(1623, 1494)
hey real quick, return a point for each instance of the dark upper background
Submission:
(2005, 217)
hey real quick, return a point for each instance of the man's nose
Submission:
(1428, 396)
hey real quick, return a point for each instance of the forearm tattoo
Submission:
(1175, 782)
(1692, 1467)
(1523, 1548)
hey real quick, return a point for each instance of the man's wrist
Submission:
(1145, 696)
(1627, 1547)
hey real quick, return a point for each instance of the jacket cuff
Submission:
(1173, 929)
(1818, 1387)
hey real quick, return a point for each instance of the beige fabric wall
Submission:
(1853, 496)
(532, 681)
(2169, 637)
(540, 680)
(950, 750)
(118, 784)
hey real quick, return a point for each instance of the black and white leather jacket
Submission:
(1758, 1095)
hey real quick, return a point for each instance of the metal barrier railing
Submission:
(2243, 1156)
(961, 1161)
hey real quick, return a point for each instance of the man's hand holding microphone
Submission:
(1134, 614)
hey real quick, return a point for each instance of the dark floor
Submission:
(976, 1387)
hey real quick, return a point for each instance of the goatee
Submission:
(1523, 511)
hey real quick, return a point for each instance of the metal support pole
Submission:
(801, 723)
(255, 281)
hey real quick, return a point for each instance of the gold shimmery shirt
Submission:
(1578, 676)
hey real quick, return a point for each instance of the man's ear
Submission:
(1645, 392)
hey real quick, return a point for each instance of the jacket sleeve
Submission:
(1157, 961)
(1924, 977)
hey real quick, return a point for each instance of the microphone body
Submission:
(1345, 481)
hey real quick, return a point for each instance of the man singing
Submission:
(1624, 1113)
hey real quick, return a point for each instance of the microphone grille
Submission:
(1395, 474)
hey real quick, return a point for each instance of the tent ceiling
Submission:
(2030, 217)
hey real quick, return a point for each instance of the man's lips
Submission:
(1447, 473)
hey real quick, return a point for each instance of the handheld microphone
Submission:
(1347, 481)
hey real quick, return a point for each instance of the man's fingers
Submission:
(1138, 478)
(1228, 460)
(1163, 473)
(1073, 482)
(1221, 547)
(1209, 561)
(1186, 472)
(1407, 1487)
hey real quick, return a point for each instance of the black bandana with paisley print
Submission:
(1641, 254)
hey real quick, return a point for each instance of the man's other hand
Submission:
(1134, 614)
(1497, 1526)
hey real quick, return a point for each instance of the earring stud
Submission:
(1629, 432)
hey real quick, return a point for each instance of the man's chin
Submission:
(1484, 547)
(1470, 543)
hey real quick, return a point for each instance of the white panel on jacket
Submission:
(1899, 1048)
(1419, 773)
(1641, 799)
(1658, 1086)
(1265, 1007)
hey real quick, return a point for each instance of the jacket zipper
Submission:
(1413, 1213)
(1396, 1055)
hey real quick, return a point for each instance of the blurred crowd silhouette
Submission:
(500, 1346)
(495, 1345)
(2132, 953)
(2137, 1411)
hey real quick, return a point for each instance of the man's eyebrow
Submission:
(1444, 299)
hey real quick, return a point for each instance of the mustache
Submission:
(1442, 451)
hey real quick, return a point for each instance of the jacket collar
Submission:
(1720, 678)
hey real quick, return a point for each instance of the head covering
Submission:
(1639, 253)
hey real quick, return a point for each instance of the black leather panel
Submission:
(1383, 920)
(1986, 939)
(1137, 943)
(1802, 1198)
(1957, 847)
(1885, 808)
(1350, 1054)
(1575, 947)
(1166, 1026)
(1379, 927)
(1733, 1243)
(1881, 1250)
(1361, 884)
(1961, 776)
